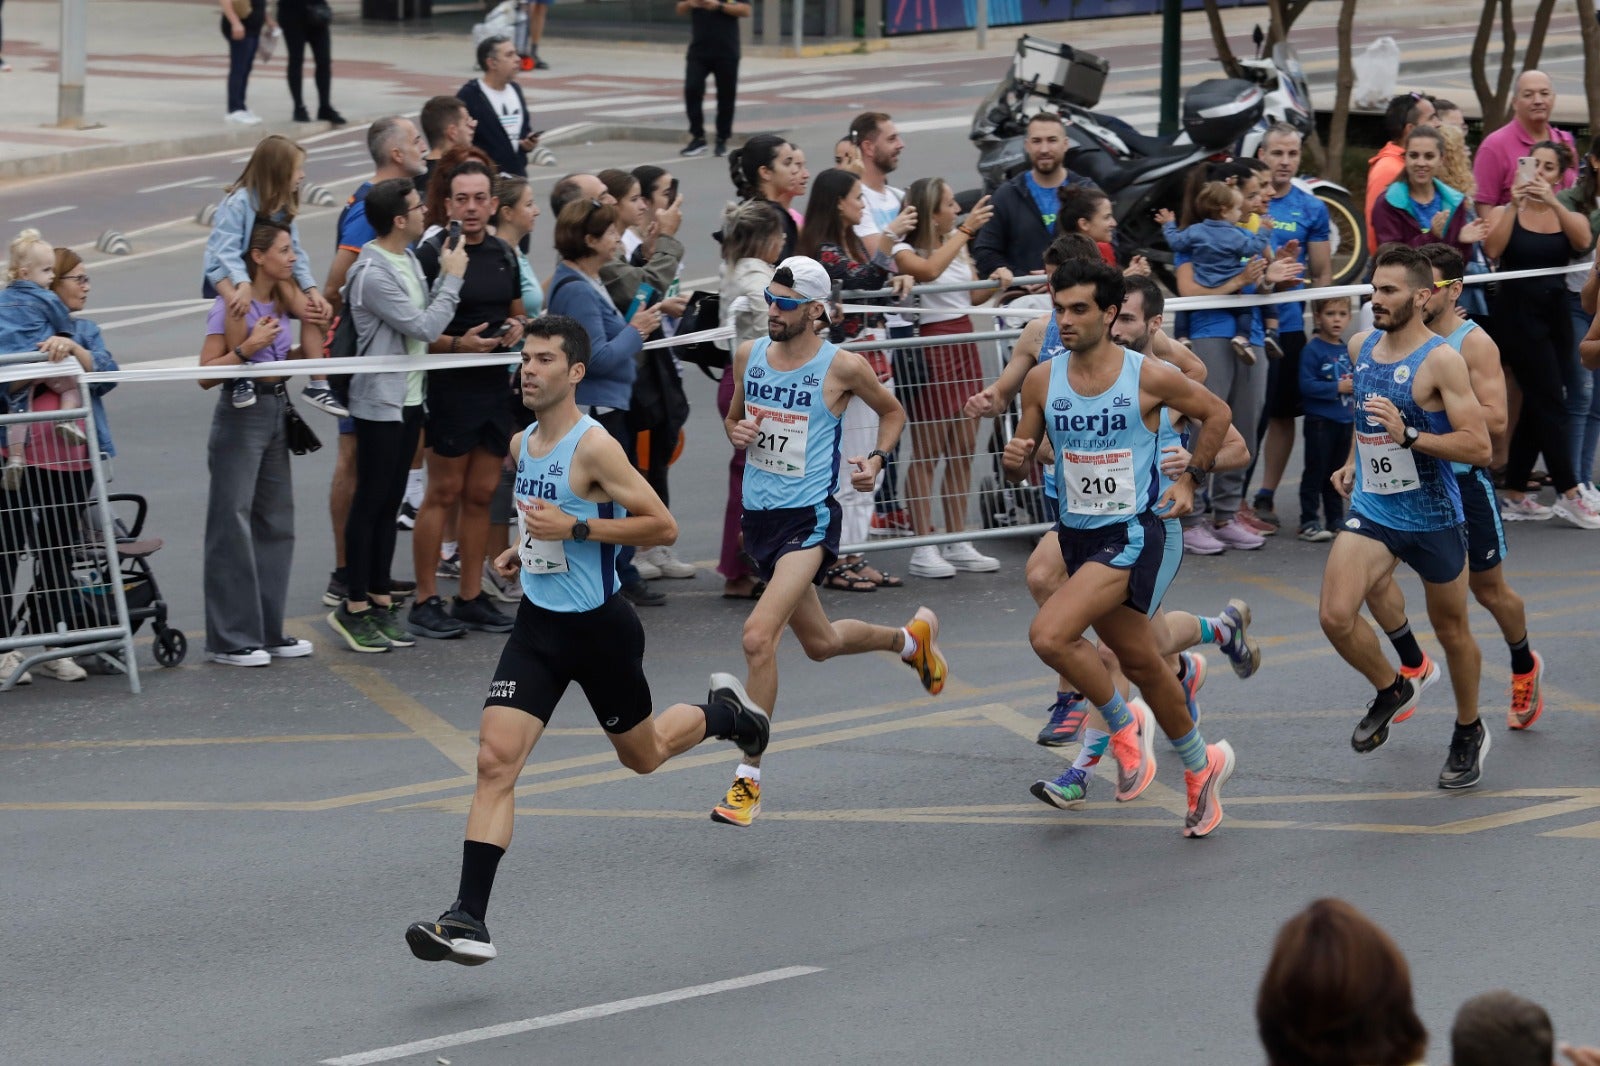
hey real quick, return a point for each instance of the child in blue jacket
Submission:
(1326, 384)
(30, 313)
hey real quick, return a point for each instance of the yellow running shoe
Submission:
(927, 660)
(741, 805)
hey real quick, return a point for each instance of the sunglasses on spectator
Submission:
(784, 303)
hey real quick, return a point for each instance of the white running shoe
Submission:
(243, 118)
(1590, 494)
(648, 571)
(1576, 509)
(963, 556)
(664, 560)
(1527, 509)
(9, 662)
(61, 670)
(242, 657)
(927, 562)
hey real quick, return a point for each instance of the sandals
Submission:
(843, 577)
(757, 587)
(878, 578)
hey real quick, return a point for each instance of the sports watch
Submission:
(580, 531)
(881, 454)
(1409, 437)
(1196, 474)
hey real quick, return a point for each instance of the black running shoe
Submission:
(752, 728)
(1373, 729)
(336, 591)
(456, 936)
(405, 520)
(642, 595)
(1464, 765)
(402, 590)
(693, 148)
(481, 614)
(428, 618)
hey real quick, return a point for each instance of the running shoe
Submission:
(478, 613)
(1264, 510)
(1200, 540)
(927, 661)
(1527, 696)
(752, 728)
(1255, 523)
(741, 805)
(927, 562)
(1134, 748)
(1315, 533)
(1067, 792)
(1421, 677)
(1194, 678)
(1240, 647)
(693, 148)
(1577, 511)
(360, 631)
(335, 593)
(1386, 707)
(1526, 509)
(963, 556)
(456, 936)
(894, 523)
(1234, 534)
(449, 568)
(1463, 767)
(392, 626)
(1067, 714)
(405, 520)
(667, 563)
(1205, 790)
(63, 669)
(428, 618)
(322, 398)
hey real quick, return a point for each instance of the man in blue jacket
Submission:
(1024, 221)
(495, 101)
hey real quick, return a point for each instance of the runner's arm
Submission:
(1024, 357)
(606, 469)
(1209, 417)
(1488, 380)
(1024, 443)
(1468, 439)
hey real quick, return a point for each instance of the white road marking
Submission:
(653, 109)
(45, 213)
(796, 82)
(582, 1014)
(157, 316)
(196, 302)
(177, 184)
(119, 260)
(343, 147)
(864, 92)
(924, 125)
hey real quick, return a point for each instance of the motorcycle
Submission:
(1143, 173)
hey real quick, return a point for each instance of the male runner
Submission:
(579, 499)
(1486, 542)
(1101, 406)
(1046, 571)
(1416, 414)
(790, 390)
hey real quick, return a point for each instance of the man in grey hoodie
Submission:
(394, 314)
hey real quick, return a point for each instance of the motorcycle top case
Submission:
(1063, 73)
(1219, 111)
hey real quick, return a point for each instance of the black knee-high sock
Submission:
(1406, 646)
(719, 719)
(1521, 657)
(478, 864)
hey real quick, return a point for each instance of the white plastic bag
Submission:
(1377, 73)
(499, 22)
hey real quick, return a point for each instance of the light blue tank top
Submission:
(1049, 348)
(1398, 487)
(794, 461)
(1454, 340)
(564, 576)
(1106, 456)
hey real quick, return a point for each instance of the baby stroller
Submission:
(139, 585)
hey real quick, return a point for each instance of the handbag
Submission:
(243, 9)
(301, 439)
(703, 312)
(319, 13)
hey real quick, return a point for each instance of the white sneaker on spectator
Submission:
(963, 556)
(1576, 509)
(291, 648)
(506, 590)
(1590, 494)
(648, 571)
(8, 666)
(61, 670)
(242, 657)
(927, 562)
(1526, 509)
(1199, 540)
(1233, 534)
(664, 560)
(244, 118)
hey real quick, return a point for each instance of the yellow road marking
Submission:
(460, 747)
(333, 803)
(185, 742)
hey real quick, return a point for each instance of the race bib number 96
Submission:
(1386, 468)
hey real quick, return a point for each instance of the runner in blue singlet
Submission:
(1415, 414)
(579, 498)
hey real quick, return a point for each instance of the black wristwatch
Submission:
(1196, 474)
(1409, 437)
(880, 453)
(580, 531)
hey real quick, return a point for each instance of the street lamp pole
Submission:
(74, 63)
(1171, 58)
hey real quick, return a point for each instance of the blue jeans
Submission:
(241, 57)
(1583, 419)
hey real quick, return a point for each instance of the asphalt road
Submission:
(220, 870)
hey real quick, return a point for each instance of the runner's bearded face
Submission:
(1130, 328)
(1394, 301)
(784, 325)
(1083, 323)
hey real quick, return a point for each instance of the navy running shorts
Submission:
(1147, 547)
(601, 650)
(1486, 537)
(770, 535)
(1437, 555)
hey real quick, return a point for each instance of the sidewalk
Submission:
(157, 70)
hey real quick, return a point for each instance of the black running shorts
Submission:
(770, 535)
(1437, 555)
(601, 650)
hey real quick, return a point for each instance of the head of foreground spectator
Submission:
(874, 133)
(269, 257)
(1280, 151)
(752, 230)
(515, 210)
(31, 259)
(438, 209)
(1337, 992)
(937, 210)
(1448, 113)
(1534, 102)
(762, 168)
(1219, 202)
(390, 208)
(627, 192)
(472, 202)
(397, 148)
(1501, 1029)
(587, 234)
(447, 124)
(498, 59)
(273, 175)
(658, 186)
(1404, 112)
(575, 187)
(69, 281)
(1045, 144)
(834, 210)
(1085, 209)
(1424, 154)
(1554, 161)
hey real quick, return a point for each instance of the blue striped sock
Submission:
(1191, 748)
(1117, 714)
(1095, 744)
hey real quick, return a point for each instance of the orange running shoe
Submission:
(1421, 677)
(1527, 696)
(1205, 790)
(1133, 747)
(927, 660)
(741, 805)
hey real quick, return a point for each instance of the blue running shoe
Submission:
(1066, 720)
(1066, 792)
(1194, 677)
(1242, 651)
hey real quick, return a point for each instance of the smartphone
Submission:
(504, 328)
(454, 239)
(672, 192)
(643, 298)
(1527, 168)
(535, 135)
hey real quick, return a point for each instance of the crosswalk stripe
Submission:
(864, 92)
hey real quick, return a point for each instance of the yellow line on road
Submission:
(186, 742)
(457, 745)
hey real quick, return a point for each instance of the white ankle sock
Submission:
(748, 771)
(910, 649)
(414, 488)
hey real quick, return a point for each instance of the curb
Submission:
(72, 160)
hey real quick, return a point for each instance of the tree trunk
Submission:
(1541, 26)
(1591, 60)
(1344, 84)
(1480, 79)
(1508, 66)
(1219, 37)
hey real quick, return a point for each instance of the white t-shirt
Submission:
(508, 105)
(882, 207)
(950, 305)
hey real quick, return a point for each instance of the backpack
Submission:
(704, 312)
(343, 341)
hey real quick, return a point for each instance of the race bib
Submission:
(780, 444)
(540, 556)
(1099, 483)
(1386, 468)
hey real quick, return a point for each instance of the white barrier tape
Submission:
(368, 364)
